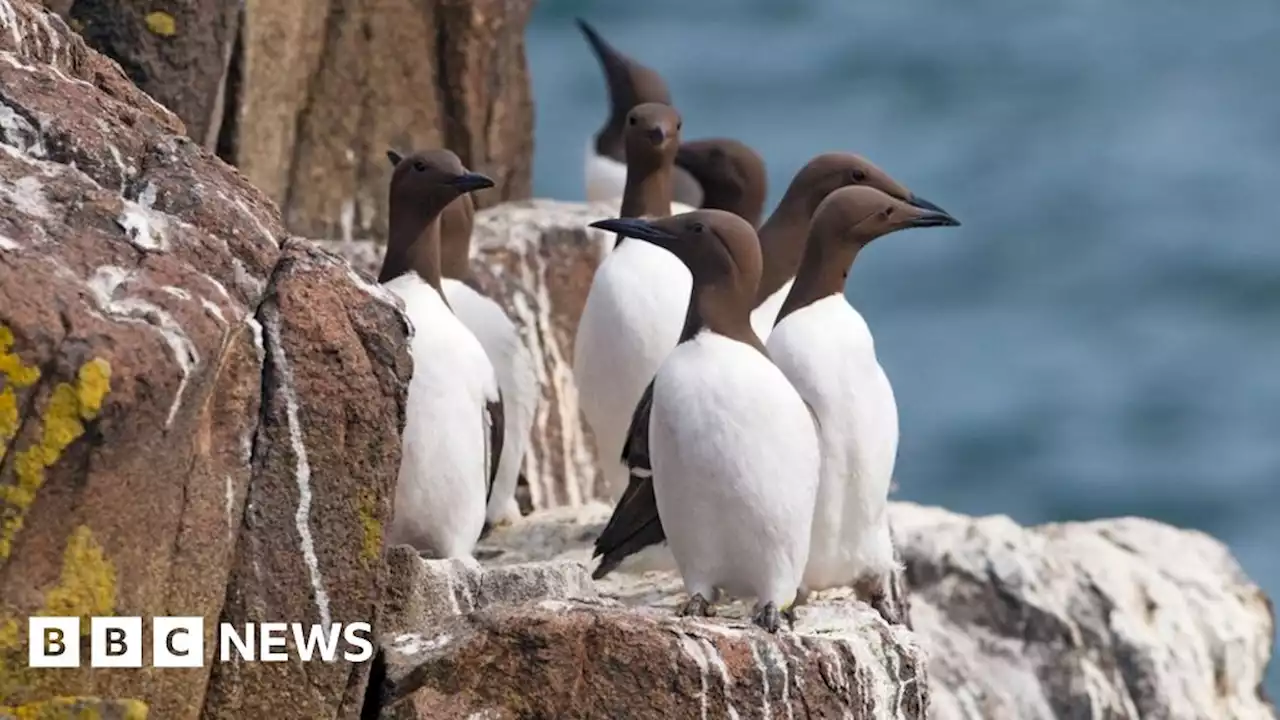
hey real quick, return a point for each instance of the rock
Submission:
(323, 90)
(1113, 618)
(537, 258)
(1118, 618)
(325, 464)
(176, 52)
(534, 640)
(150, 440)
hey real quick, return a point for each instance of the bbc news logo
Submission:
(178, 642)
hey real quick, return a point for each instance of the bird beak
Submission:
(638, 229)
(471, 181)
(394, 157)
(933, 218)
(656, 135)
(924, 204)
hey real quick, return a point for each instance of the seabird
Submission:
(731, 174)
(635, 524)
(782, 237)
(453, 433)
(734, 447)
(497, 334)
(825, 349)
(637, 300)
(630, 84)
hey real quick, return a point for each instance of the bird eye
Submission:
(698, 227)
(857, 176)
(419, 166)
(679, 125)
(631, 120)
(887, 212)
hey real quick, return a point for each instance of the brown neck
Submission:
(782, 241)
(413, 246)
(720, 310)
(456, 224)
(822, 273)
(648, 191)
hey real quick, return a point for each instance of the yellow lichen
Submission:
(61, 424)
(161, 23)
(367, 508)
(14, 375)
(87, 586)
(74, 708)
(12, 369)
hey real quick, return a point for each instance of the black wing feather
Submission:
(635, 524)
(495, 416)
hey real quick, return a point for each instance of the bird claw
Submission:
(768, 617)
(697, 606)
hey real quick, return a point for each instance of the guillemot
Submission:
(507, 351)
(824, 347)
(637, 300)
(725, 426)
(453, 433)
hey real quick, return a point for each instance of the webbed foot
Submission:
(767, 617)
(696, 606)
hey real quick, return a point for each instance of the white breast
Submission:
(513, 364)
(440, 493)
(633, 316)
(735, 465)
(763, 317)
(827, 352)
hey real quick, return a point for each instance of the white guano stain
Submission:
(302, 468)
(717, 661)
(27, 195)
(17, 131)
(414, 643)
(145, 227)
(7, 244)
(9, 19)
(693, 651)
(105, 285)
(766, 710)
(774, 657)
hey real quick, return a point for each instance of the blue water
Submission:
(1102, 336)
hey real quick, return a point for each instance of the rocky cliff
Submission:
(200, 412)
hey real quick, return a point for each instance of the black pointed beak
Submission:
(394, 157)
(636, 228)
(470, 182)
(933, 216)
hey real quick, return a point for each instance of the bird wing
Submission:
(634, 524)
(494, 424)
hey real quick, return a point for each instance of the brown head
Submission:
(782, 237)
(844, 223)
(630, 84)
(456, 223)
(422, 186)
(731, 174)
(652, 138)
(723, 255)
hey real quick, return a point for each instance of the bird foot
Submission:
(697, 606)
(802, 597)
(767, 616)
(872, 591)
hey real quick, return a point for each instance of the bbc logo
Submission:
(116, 642)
